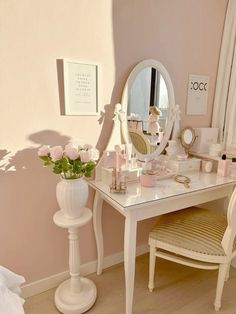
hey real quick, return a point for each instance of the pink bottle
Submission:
(223, 166)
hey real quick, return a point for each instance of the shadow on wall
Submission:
(27, 206)
(133, 38)
(105, 118)
(122, 71)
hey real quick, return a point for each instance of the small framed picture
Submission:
(197, 94)
(80, 87)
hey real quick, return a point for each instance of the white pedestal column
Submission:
(77, 294)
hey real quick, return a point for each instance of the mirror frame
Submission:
(187, 146)
(171, 97)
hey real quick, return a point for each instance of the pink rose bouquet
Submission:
(71, 162)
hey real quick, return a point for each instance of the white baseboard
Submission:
(44, 284)
(53, 281)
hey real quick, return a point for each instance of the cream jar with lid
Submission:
(207, 166)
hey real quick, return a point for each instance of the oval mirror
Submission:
(148, 101)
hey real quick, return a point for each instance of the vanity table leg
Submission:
(129, 259)
(97, 225)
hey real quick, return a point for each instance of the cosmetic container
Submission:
(232, 171)
(223, 166)
(147, 165)
(113, 183)
(122, 182)
(207, 166)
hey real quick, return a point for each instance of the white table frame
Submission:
(143, 211)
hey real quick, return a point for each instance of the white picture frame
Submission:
(80, 87)
(198, 88)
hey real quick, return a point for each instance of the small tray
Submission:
(161, 174)
(120, 191)
(165, 174)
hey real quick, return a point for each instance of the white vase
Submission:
(72, 196)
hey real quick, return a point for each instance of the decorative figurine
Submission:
(153, 125)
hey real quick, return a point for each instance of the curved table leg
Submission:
(97, 225)
(129, 259)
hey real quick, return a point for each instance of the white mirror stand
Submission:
(157, 150)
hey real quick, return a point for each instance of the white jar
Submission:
(207, 166)
(215, 150)
(232, 170)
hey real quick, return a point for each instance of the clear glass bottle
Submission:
(133, 161)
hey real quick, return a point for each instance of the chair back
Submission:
(229, 235)
(139, 141)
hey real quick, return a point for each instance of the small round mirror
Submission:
(187, 138)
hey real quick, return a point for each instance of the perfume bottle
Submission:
(207, 166)
(113, 183)
(223, 166)
(118, 183)
(117, 179)
(122, 182)
(128, 150)
(133, 161)
(232, 172)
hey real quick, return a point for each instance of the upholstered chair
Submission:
(198, 238)
(139, 140)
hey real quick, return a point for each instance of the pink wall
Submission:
(184, 35)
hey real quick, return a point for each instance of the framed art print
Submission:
(197, 94)
(80, 87)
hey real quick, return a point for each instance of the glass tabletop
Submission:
(167, 188)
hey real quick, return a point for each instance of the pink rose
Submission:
(85, 155)
(71, 152)
(44, 150)
(94, 153)
(56, 153)
(87, 146)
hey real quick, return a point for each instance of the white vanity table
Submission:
(140, 203)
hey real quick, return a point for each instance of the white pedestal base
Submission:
(75, 303)
(77, 294)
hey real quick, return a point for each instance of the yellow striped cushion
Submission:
(194, 229)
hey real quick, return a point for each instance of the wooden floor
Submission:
(179, 290)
